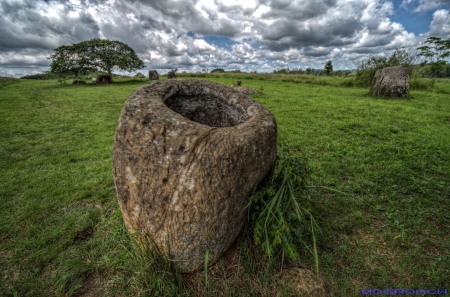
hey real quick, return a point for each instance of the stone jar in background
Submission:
(153, 75)
(390, 82)
(187, 155)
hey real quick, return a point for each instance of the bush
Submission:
(368, 67)
(439, 69)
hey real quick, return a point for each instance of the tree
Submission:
(217, 70)
(437, 50)
(92, 55)
(328, 67)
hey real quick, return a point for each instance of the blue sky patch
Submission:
(220, 41)
(414, 22)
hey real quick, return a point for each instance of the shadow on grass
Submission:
(368, 95)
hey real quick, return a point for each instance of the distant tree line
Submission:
(311, 71)
(217, 70)
(43, 75)
(88, 57)
(81, 75)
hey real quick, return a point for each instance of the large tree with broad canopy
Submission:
(94, 54)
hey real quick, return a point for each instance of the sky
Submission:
(192, 35)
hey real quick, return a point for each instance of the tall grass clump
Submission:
(143, 269)
(279, 210)
(422, 84)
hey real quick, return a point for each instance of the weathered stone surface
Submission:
(153, 75)
(186, 156)
(390, 82)
(103, 79)
(172, 74)
(302, 282)
(245, 91)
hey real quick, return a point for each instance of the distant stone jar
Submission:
(172, 74)
(187, 155)
(103, 79)
(390, 82)
(153, 75)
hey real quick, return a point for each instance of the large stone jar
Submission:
(390, 82)
(186, 156)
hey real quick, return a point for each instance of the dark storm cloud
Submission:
(286, 34)
(180, 15)
(232, 9)
(13, 7)
(149, 23)
(22, 25)
(296, 9)
(316, 52)
(26, 57)
(328, 24)
(344, 28)
(178, 9)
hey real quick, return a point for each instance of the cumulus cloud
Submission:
(423, 5)
(37, 24)
(440, 25)
(202, 34)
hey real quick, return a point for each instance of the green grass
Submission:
(61, 231)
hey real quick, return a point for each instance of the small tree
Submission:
(328, 67)
(437, 50)
(93, 55)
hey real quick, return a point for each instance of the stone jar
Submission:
(187, 155)
(390, 82)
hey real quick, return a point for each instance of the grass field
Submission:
(384, 225)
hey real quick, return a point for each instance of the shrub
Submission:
(369, 66)
(350, 82)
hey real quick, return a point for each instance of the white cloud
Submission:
(424, 5)
(170, 34)
(440, 25)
